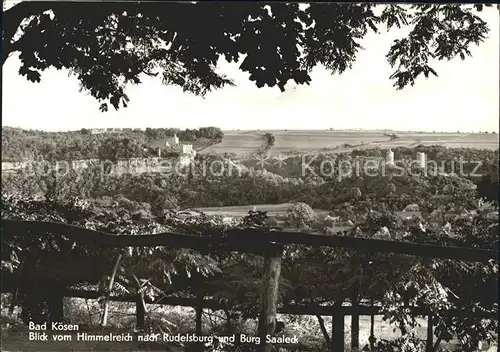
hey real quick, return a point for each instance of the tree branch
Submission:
(323, 329)
(13, 17)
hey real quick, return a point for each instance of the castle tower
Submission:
(422, 160)
(390, 157)
(172, 141)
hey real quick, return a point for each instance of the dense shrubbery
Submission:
(479, 166)
(214, 181)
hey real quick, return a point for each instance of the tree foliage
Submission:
(108, 45)
(201, 187)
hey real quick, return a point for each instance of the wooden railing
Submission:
(268, 244)
(292, 309)
(250, 241)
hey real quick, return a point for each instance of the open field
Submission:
(242, 210)
(311, 141)
(240, 143)
(245, 143)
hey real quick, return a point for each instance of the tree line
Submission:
(212, 181)
(20, 144)
(480, 166)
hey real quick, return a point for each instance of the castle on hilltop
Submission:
(173, 144)
(172, 141)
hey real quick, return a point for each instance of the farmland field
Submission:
(310, 141)
(240, 143)
(244, 143)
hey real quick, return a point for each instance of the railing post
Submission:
(354, 325)
(372, 339)
(199, 315)
(55, 298)
(269, 294)
(429, 346)
(338, 333)
(140, 312)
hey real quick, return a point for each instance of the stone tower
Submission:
(390, 157)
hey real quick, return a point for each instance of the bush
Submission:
(300, 215)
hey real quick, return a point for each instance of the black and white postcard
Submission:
(249, 176)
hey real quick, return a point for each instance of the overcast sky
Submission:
(464, 97)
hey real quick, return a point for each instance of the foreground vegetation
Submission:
(138, 204)
(234, 279)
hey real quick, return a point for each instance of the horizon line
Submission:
(353, 129)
